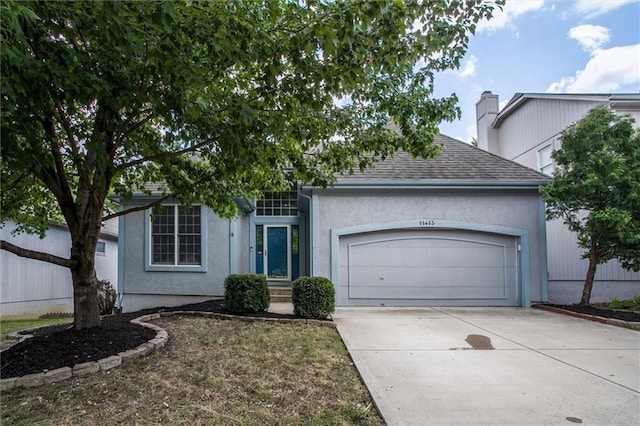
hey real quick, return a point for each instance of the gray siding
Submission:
(567, 271)
(536, 124)
(338, 209)
(30, 288)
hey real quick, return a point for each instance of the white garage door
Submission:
(419, 267)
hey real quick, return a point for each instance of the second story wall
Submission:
(537, 124)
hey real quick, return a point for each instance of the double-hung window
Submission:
(545, 163)
(176, 238)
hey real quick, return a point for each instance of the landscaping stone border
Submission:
(104, 364)
(603, 320)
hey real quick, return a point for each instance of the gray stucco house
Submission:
(464, 229)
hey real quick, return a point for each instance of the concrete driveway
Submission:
(498, 366)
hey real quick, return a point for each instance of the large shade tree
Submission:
(211, 99)
(596, 190)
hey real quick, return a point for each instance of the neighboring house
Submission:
(30, 288)
(464, 229)
(527, 130)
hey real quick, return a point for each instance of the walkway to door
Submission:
(493, 366)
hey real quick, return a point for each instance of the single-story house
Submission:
(464, 229)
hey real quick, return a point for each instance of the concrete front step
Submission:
(280, 294)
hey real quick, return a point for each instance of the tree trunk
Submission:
(591, 273)
(86, 301)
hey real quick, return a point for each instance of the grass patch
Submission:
(631, 305)
(212, 372)
(10, 326)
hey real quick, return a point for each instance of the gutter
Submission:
(434, 184)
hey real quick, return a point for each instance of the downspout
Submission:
(233, 252)
(311, 229)
(120, 259)
(544, 267)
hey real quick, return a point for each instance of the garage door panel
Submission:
(366, 255)
(485, 276)
(464, 255)
(435, 266)
(388, 276)
(466, 292)
(426, 293)
(470, 255)
(394, 276)
(378, 292)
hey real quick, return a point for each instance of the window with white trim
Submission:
(176, 236)
(545, 162)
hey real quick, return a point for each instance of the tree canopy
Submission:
(596, 189)
(210, 99)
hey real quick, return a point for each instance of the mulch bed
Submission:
(601, 312)
(61, 346)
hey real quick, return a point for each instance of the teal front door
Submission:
(276, 253)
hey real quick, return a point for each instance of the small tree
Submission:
(596, 190)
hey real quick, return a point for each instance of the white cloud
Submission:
(561, 85)
(510, 11)
(468, 68)
(607, 71)
(471, 133)
(590, 37)
(592, 8)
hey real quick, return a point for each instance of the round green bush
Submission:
(245, 293)
(313, 297)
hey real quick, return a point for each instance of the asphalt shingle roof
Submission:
(457, 161)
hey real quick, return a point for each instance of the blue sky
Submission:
(561, 46)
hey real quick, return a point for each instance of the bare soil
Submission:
(61, 346)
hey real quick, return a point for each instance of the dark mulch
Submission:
(61, 346)
(601, 312)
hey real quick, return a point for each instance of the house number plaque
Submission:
(427, 222)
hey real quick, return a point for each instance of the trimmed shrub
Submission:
(313, 297)
(246, 293)
(107, 295)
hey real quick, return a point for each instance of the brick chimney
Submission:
(486, 112)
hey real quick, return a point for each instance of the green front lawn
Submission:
(10, 326)
(212, 372)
